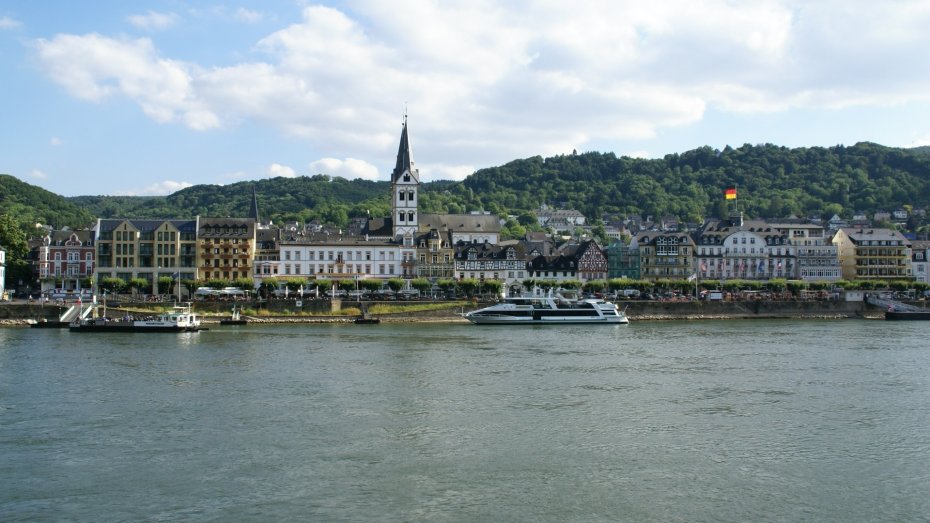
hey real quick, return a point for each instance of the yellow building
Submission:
(146, 249)
(873, 254)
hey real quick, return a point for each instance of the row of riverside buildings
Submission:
(409, 245)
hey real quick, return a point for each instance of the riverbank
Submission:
(24, 314)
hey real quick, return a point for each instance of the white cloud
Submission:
(36, 174)
(55, 141)
(487, 82)
(248, 16)
(274, 170)
(920, 142)
(350, 168)
(157, 189)
(8, 23)
(439, 171)
(94, 67)
(152, 21)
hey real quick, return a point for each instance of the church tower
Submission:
(405, 183)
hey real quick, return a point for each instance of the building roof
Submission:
(487, 223)
(405, 157)
(110, 224)
(227, 227)
(858, 234)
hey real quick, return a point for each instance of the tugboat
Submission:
(179, 319)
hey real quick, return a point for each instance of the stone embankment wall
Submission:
(697, 310)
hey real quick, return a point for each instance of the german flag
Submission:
(730, 193)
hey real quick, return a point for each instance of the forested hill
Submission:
(29, 205)
(772, 181)
(301, 198)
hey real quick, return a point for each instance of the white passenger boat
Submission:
(552, 308)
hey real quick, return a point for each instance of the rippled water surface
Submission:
(676, 421)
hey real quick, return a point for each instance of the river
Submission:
(655, 421)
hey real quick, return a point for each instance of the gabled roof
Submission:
(461, 222)
(488, 251)
(238, 227)
(380, 227)
(857, 234)
(110, 224)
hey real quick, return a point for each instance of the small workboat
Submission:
(234, 318)
(180, 319)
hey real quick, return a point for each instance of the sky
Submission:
(147, 97)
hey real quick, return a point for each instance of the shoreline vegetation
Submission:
(451, 312)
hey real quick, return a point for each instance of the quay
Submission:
(22, 314)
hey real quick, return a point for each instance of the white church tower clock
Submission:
(405, 182)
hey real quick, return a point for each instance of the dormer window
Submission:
(407, 177)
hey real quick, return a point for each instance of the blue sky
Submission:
(148, 97)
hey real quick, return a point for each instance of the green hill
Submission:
(772, 182)
(29, 205)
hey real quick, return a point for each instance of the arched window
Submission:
(410, 216)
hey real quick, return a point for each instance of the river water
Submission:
(655, 421)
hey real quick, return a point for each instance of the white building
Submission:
(920, 250)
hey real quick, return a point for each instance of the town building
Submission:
(485, 261)
(590, 260)
(920, 249)
(738, 249)
(665, 255)
(146, 249)
(226, 248)
(873, 254)
(557, 268)
(64, 260)
(267, 254)
(814, 253)
(622, 260)
(435, 255)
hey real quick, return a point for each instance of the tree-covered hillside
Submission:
(772, 182)
(329, 199)
(29, 205)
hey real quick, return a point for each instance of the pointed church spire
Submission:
(253, 210)
(404, 157)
